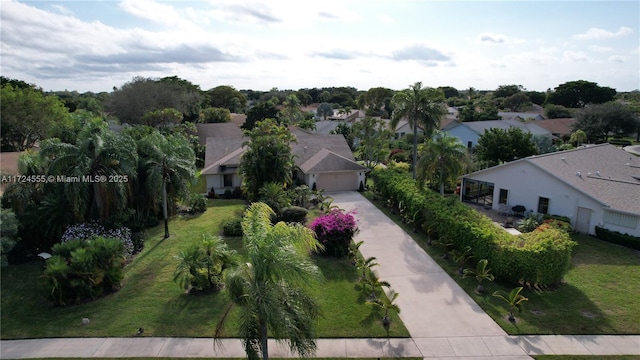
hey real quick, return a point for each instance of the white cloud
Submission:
(617, 58)
(601, 34)
(574, 56)
(386, 19)
(600, 49)
(492, 38)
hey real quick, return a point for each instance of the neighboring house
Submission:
(217, 130)
(325, 127)
(323, 161)
(403, 128)
(593, 186)
(522, 116)
(350, 117)
(8, 166)
(470, 132)
(561, 128)
(238, 119)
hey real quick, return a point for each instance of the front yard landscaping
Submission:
(151, 300)
(597, 296)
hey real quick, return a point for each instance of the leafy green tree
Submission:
(307, 124)
(162, 118)
(421, 107)
(576, 94)
(597, 121)
(108, 160)
(324, 110)
(375, 100)
(291, 113)
(227, 97)
(373, 140)
(516, 102)
(168, 163)
(268, 158)
(260, 112)
(444, 157)
(449, 92)
(8, 237)
(273, 287)
(27, 117)
(505, 91)
(347, 131)
(553, 111)
(142, 95)
(499, 145)
(537, 97)
(214, 115)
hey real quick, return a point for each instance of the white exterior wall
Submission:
(406, 129)
(464, 134)
(623, 229)
(217, 181)
(526, 183)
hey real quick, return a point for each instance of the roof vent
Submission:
(598, 172)
(578, 174)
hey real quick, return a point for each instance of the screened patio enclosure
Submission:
(478, 192)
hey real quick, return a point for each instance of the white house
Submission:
(322, 161)
(593, 186)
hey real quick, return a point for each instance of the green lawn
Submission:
(150, 299)
(599, 295)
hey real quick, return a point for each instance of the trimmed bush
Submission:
(294, 214)
(619, 238)
(198, 204)
(232, 227)
(90, 230)
(537, 258)
(334, 231)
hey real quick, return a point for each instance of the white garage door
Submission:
(337, 181)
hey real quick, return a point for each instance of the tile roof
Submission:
(217, 130)
(328, 161)
(558, 127)
(480, 126)
(222, 151)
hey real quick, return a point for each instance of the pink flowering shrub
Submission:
(334, 231)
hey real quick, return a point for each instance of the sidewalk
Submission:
(444, 322)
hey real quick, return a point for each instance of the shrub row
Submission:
(540, 257)
(619, 238)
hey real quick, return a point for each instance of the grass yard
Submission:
(150, 299)
(599, 295)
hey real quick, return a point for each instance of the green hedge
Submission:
(537, 258)
(615, 237)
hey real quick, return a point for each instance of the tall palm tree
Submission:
(422, 107)
(168, 163)
(271, 288)
(444, 156)
(100, 164)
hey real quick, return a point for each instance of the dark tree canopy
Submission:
(376, 99)
(516, 102)
(499, 145)
(598, 120)
(576, 94)
(537, 97)
(227, 97)
(324, 110)
(504, 91)
(262, 111)
(552, 111)
(142, 95)
(449, 91)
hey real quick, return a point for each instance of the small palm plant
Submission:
(480, 273)
(374, 282)
(461, 257)
(514, 299)
(365, 265)
(387, 303)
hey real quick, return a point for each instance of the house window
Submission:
(228, 180)
(543, 205)
(469, 145)
(504, 193)
(620, 219)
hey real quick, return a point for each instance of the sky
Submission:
(260, 45)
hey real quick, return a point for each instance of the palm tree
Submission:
(274, 195)
(421, 107)
(578, 137)
(387, 303)
(375, 283)
(480, 273)
(272, 287)
(513, 299)
(202, 265)
(443, 155)
(107, 159)
(168, 163)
